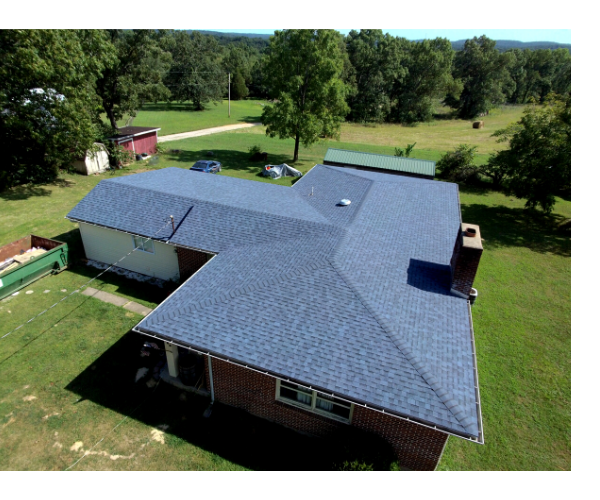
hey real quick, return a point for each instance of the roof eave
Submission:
(355, 401)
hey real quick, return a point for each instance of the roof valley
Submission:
(443, 395)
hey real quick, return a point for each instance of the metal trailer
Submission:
(54, 260)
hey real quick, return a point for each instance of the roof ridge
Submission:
(443, 395)
(326, 222)
(240, 291)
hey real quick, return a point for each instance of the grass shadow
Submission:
(24, 192)
(238, 161)
(518, 227)
(168, 106)
(230, 433)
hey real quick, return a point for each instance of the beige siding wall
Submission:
(108, 246)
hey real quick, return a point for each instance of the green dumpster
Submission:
(20, 266)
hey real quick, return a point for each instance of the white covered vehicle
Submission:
(278, 171)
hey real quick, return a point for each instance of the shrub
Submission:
(458, 165)
(406, 151)
(119, 156)
(254, 150)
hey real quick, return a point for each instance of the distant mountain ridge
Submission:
(233, 35)
(501, 45)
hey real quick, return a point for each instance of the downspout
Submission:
(208, 410)
(210, 378)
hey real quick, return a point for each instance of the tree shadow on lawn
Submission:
(237, 161)
(230, 433)
(168, 106)
(27, 191)
(518, 227)
(24, 192)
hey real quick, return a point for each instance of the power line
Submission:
(88, 452)
(85, 284)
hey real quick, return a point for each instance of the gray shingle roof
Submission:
(354, 300)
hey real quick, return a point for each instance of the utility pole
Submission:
(229, 95)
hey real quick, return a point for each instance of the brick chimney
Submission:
(465, 259)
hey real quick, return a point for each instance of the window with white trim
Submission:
(143, 244)
(314, 401)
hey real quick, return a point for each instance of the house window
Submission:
(313, 401)
(143, 244)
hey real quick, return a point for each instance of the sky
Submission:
(532, 35)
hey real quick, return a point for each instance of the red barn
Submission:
(137, 139)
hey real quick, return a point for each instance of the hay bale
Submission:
(478, 124)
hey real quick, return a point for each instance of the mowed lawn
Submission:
(68, 377)
(174, 118)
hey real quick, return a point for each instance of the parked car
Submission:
(208, 166)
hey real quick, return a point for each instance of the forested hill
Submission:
(504, 45)
(501, 45)
(233, 35)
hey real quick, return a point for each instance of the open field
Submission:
(435, 137)
(174, 118)
(68, 377)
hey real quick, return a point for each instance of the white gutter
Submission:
(309, 387)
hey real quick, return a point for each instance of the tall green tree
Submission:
(538, 161)
(49, 110)
(196, 74)
(238, 86)
(303, 68)
(136, 75)
(538, 73)
(240, 57)
(370, 99)
(427, 76)
(482, 72)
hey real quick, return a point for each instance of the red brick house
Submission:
(137, 139)
(312, 313)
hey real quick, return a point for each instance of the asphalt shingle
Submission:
(353, 300)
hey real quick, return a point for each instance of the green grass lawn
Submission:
(68, 377)
(174, 118)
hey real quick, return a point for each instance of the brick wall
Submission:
(416, 447)
(190, 261)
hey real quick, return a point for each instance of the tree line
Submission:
(60, 87)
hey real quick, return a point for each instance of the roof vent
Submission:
(344, 202)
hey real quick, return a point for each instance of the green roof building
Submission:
(380, 163)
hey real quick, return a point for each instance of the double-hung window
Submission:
(143, 244)
(329, 406)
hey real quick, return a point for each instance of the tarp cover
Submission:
(278, 171)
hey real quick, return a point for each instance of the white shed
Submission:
(93, 162)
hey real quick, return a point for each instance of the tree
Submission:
(538, 73)
(303, 68)
(49, 111)
(370, 101)
(136, 74)
(238, 86)
(538, 161)
(240, 57)
(427, 75)
(196, 74)
(497, 167)
(482, 73)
